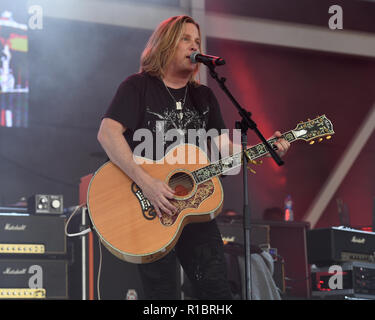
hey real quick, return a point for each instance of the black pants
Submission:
(201, 254)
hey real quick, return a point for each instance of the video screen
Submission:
(14, 77)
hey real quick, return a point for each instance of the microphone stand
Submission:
(245, 124)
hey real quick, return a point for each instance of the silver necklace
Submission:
(179, 105)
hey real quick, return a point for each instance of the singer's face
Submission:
(187, 44)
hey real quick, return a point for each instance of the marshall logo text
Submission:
(11, 271)
(16, 227)
(358, 240)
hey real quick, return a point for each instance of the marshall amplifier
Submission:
(232, 232)
(33, 279)
(339, 244)
(30, 234)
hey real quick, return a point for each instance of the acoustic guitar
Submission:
(127, 223)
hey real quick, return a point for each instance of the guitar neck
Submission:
(260, 150)
(226, 164)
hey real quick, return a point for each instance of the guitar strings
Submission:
(186, 179)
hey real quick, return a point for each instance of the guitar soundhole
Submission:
(181, 183)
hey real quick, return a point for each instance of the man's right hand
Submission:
(158, 193)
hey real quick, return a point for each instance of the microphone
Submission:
(196, 57)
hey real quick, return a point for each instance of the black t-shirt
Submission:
(143, 102)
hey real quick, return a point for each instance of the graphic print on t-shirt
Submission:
(172, 119)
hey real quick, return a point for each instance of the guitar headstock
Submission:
(314, 129)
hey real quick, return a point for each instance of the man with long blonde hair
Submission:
(162, 45)
(165, 95)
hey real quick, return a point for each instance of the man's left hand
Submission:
(281, 144)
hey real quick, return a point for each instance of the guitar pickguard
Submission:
(204, 190)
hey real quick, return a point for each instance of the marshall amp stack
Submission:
(33, 254)
(351, 250)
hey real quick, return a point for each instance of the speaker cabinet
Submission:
(289, 238)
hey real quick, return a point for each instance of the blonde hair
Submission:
(161, 47)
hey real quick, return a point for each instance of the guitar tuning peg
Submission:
(320, 139)
(328, 137)
(251, 170)
(257, 162)
(312, 141)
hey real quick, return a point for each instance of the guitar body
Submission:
(126, 222)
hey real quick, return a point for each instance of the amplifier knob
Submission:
(56, 204)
